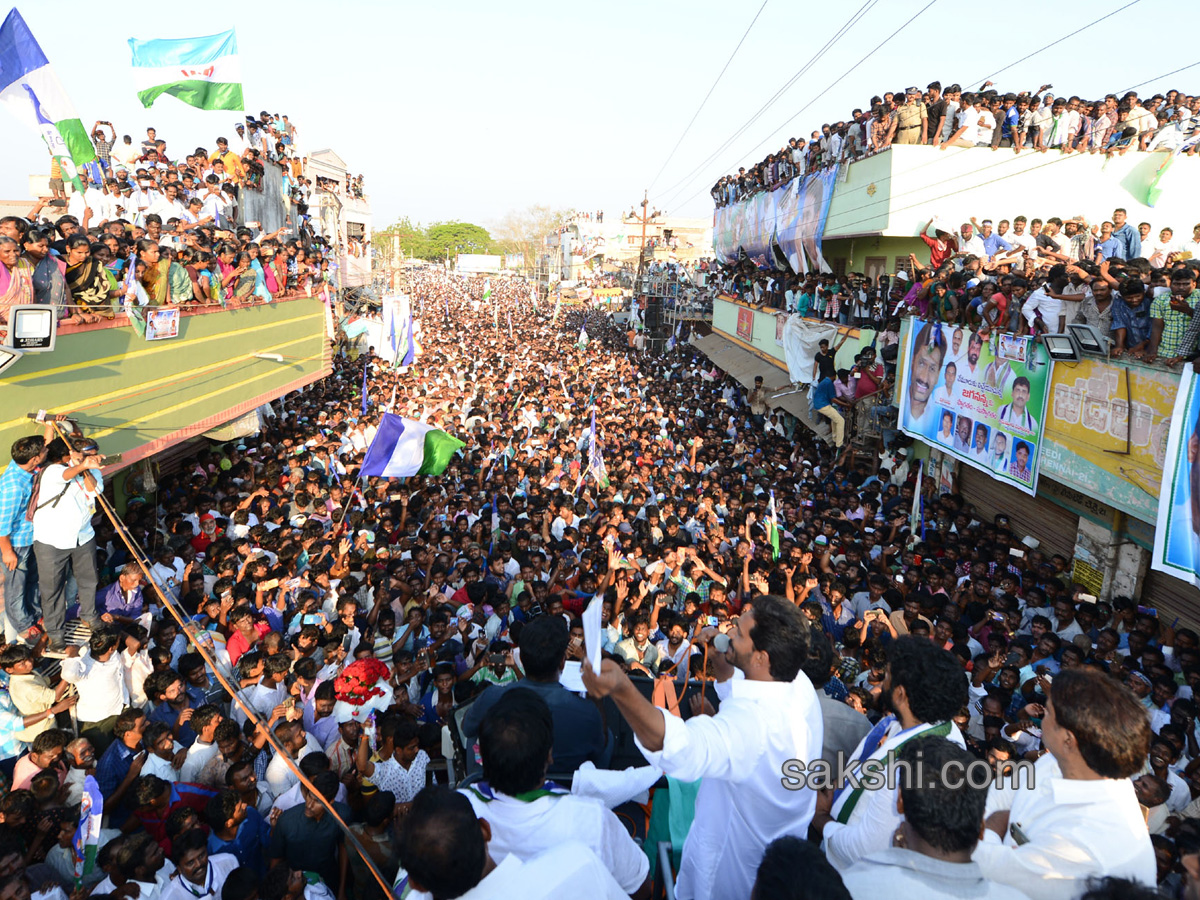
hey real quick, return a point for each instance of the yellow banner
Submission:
(1092, 410)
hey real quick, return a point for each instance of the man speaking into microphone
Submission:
(769, 714)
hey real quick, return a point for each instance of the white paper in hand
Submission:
(592, 639)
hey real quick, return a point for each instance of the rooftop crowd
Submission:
(1026, 121)
(173, 215)
(463, 593)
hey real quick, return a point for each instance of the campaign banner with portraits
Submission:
(980, 399)
(1177, 537)
(771, 226)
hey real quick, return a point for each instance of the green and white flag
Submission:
(204, 72)
(773, 528)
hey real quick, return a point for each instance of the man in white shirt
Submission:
(294, 741)
(970, 243)
(1078, 817)
(529, 815)
(768, 718)
(924, 687)
(204, 722)
(940, 830)
(443, 849)
(62, 535)
(99, 676)
(168, 205)
(198, 875)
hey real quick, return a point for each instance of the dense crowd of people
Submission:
(788, 597)
(146, 226)
(1025, 121)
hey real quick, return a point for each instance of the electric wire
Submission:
(862, 11)
(1055, 43)
(830, 87)
(671, 155)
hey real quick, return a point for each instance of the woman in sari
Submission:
(91, 291)
(279, 264)
(227, 269)
(244, 278)
(49, 281)
(179, 284)
(16, 280)
(155, 279)
(210, 279)
(260, 280)
(267, 259)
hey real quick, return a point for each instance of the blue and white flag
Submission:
(87, 834)
(32, 92)
(410, 344)
(405, 447)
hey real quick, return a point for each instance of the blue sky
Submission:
(465, 110)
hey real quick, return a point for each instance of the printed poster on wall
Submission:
(983, 401)
(745, 324)
(1177, 537)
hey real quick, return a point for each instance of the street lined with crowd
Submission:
(781, 590)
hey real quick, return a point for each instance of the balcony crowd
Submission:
(149, 224)
(1025, 122)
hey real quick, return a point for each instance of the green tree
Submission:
(459, 237)
(413, 241)
(524, 230)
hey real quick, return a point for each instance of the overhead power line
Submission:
(671, 155)
(1055, 43)
(863, 10)
(830, 87)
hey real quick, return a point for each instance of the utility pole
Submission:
(645, 203)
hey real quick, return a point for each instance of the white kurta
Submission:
(1076, 829)
(874, 818)
(742, 804)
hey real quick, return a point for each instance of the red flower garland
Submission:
(358, 682)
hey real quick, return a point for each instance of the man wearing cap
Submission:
(912, 119)
(237, 143)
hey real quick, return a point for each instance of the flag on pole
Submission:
(583, 336)
(365, 398)
(204, 72)
(87, 834)
(389, 313)
(410, 351)
(405, 447)
(510, 331)
(916, 520)
(32, 92)
(773, 528)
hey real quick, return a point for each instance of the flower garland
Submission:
(359, 681)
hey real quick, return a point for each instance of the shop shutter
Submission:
(1172, 597)
(1051, 524)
